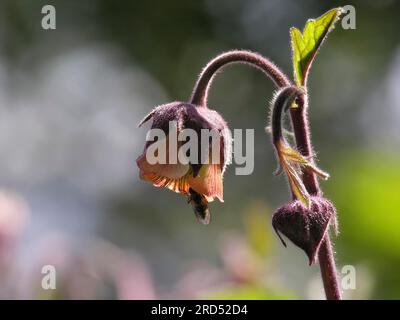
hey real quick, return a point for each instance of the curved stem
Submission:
(282, 101)
(300, 126)
(200, 91)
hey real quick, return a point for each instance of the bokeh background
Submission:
(70, 101)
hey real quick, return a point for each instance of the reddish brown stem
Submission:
(325, 255)
(302, 135)
(328, 270)
(200, 91)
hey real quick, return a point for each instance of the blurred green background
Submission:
(70, 101)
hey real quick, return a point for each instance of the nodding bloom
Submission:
(305, 227)
(195, 148)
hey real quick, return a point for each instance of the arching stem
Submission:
(300, 126)
(200, 91)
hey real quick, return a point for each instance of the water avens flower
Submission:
(304, 220)
(197, 147)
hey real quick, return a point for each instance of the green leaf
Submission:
(306, 45)
(296, 184)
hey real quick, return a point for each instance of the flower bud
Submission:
(305, 227)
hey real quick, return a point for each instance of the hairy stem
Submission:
(325, 255)
(328, 270)
(300, 126)
(282, 103)
(200, 91)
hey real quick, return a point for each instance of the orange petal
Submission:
(180, 185)
(208, 182)
(172, 171)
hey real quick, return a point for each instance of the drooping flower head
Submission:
(305, 227)
(190, 154)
